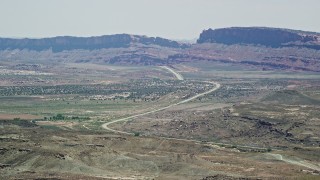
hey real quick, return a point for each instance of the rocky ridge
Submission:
(61, 43)
(262, 48)
(270, 37)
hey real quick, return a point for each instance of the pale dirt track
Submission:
(178, 76)
(105, 125)
(295, 162)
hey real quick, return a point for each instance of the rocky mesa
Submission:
(61, 43)
(258, 47)
(270, 37)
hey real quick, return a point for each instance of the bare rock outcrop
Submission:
(271, 37)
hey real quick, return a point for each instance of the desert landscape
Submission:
(236, 103)
(197, 121)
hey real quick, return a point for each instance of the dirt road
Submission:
(178, 76)
(105, 125)
(295, 162)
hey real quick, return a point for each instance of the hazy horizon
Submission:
(172, 19)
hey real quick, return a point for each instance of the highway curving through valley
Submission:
(216, 87)
(179, 77)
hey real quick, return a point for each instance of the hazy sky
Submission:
(175, 19)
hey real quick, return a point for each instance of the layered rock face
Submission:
(263, 48)
(58, 44)
(271, 37)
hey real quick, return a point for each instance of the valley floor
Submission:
(179, 122)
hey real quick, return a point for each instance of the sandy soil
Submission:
(57, 123)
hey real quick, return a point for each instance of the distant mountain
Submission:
(258, 47)
(61, 43)
(270, 37)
